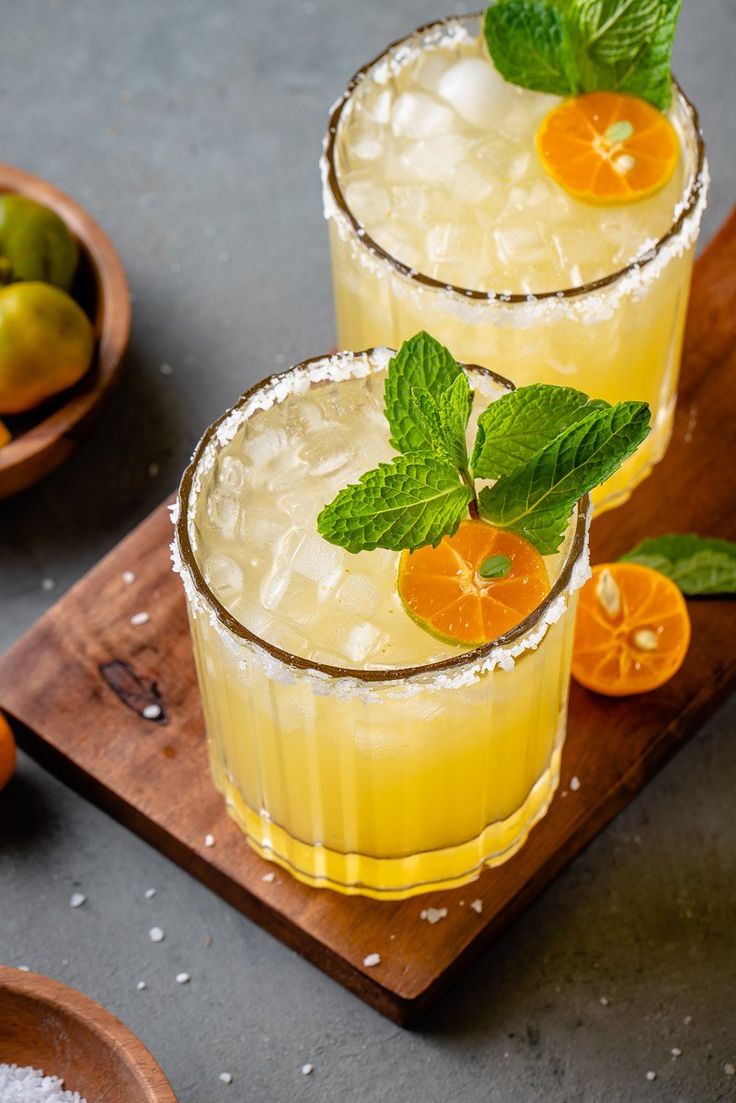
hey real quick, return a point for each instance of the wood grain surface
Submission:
(45, 437)
(76, 685)
(56, 1029)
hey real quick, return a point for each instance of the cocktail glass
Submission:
(353, 748)
(441, 219)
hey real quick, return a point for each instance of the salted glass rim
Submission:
(297, 662)
(683, 211)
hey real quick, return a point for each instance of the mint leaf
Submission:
(415, 500)
(698, 565)
(495, 566)
(536, 499)
(649, 76)
(455, 405)
(530, 45)
(614, 30)
(423, 363)
(519, 424)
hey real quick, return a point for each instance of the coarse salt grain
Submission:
(141, 985)
(209, 840)
(604, 1001)
(676, 1051)
(28, 1085)
(433, 915)
(152, 712)
(149, 894)
(156, 934)
(140, 618)
(371, 959)
(574, 784)
(183, 978)
(23, 969)
(729, 1069)
(268, 877)
(307, 1069)
(77, 899)
(226, 1077)
(165, 369)
(48, 584)
(651, 1075)
(477, 906)
(128, 577)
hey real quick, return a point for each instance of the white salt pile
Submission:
(27, 1085)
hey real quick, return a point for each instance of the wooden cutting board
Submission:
(76, 686)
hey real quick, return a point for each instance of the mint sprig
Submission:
(699, 565)
(545, 445)
(571, 46)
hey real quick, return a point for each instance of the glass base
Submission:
(395, 878)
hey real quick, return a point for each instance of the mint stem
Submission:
(473, 503)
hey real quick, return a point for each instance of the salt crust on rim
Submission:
(343, 365)
(588, 306)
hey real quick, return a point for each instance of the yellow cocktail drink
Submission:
(353, 747)
(442, 217)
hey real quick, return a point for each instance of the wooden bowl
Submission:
(44, 437)
(53, 1028)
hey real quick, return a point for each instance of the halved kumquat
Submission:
(607, 148)
(632, 631)
(443, 591)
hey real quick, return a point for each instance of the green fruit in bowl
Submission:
(46, 344)
(35, 243)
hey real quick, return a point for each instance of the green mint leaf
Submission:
(425, 364)
(530, 45)
(427, 415)
(455, 405)
(611, 31)
(415, 500)
(649, 75)
(495, 566)
(698, 565)
(536, 499)
(519, 424)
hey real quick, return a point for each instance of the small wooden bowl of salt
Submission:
(48, 1027)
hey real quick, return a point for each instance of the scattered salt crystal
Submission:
(729, 1069)
(604, 1001)
(268, 877)
(156, 934)
(687, 1020)
(226, 1077)
(307, 1069)
(153, 470)
(128, 577)
(140, 618)
(24, 969)
(149, 894)
(183, 978)
(676, 1051)
(209, 840)
(29, 1085)
(48, 584)
(574, 784)
(371, 959)
(433, 915)
(152, 712)
(477, 906)
(141, 985)
(77, 899)
(165, 369)
(651, 1075)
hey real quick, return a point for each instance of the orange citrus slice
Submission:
(632, 632)
(443, 591)
(607, 148)
(7, 752)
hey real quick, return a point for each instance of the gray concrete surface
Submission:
(192, 130)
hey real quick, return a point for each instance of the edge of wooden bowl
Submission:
(112, 1034)
(35, 453)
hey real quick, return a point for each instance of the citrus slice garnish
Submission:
(632, 632)
(442, 588)
(608, 148)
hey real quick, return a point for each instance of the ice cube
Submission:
(358, 595)
(517, 243)
(223, 509)
(224, 576)
(327, 452)
(449, 241)
(274, 587)
(232, 473)
(429, 68)
(316, 559)
(432, 158)
(379, 109)
(266, 445)
(362, 640)
(518, 167)
(367, 149)
(471, 183)
(260, 527)
(416, 115)
(475, 90)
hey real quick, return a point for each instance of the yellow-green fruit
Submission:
(46, 344)
(35, 243)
